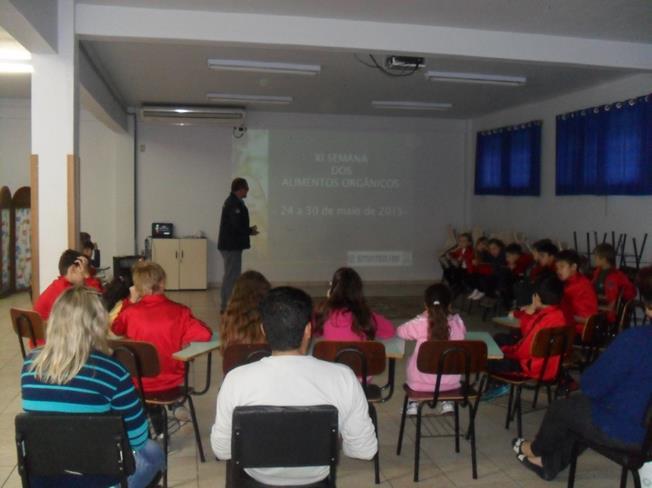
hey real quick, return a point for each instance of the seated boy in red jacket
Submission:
(71, 273)
(458, 262)
(544, 312)
(148, 315)
(609, 281)
(580, 300)
(519, 262)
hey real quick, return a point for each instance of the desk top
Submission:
(394, 347)
(507, 321)
(493, 351)
(196, 349)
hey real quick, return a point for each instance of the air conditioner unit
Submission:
(193, 115)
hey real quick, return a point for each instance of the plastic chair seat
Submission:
(167, 397)
(444, 396)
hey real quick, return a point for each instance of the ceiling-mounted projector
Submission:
(404, 63)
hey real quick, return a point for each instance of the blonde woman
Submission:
(76, 359)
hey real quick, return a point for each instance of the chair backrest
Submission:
(553, 341)
(27, 324)
(139, 357)
(363, 357)
(596, 330)
(238, 354)
(452, 357)
(60, 444)
(270, 436)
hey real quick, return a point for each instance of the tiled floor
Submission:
(441, 467)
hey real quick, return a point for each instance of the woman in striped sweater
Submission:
(73, 373)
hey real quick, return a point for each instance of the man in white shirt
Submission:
(290, 378)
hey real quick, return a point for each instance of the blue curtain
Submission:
(606, 150)
(508, 160)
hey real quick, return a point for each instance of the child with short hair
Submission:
(609, 281)
(519, 262)
(437, 322)
(148, 315)
(544, 252)
(71, 273)
(545, 312)
(580, 300)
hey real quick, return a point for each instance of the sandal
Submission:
(517, 442)
(538, 470)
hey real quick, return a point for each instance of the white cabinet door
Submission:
(166, 252)
(193, 262)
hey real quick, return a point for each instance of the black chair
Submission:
(448, 357)
(268, 436)
(365, 358)
(60, 445)
(548, 343)
(629, 460)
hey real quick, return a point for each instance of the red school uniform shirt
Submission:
(614, 281)
(551, 316)
(166, 324)
(523, 263)
(579, 300)
(538, 271)
(45, 301)
(465, 256)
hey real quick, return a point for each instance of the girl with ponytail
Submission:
(436, 323)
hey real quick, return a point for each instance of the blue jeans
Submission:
(232, 270)
(150, 459)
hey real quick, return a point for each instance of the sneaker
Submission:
(496, 392)
(181, 413)
(478, 296)
(444, 408)
(473, 294)
(411, 408)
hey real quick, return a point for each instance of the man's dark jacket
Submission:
(234, 226)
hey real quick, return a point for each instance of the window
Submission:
(606, 150)
(507, 160)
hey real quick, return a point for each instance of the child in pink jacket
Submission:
(346, 316)
(435, 323)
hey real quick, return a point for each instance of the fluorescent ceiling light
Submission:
(262, 99)
(14, 52)
(404, 105)
(264, 67)
(15, 68)
(476, 78)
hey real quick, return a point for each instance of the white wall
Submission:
(558, 216)
(184, 175)
(14, 143)
(106, 160)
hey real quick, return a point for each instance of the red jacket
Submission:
(614, 281)
(548, 317)
(537, 270)
(166, 324)
(93, 282)
(523, 263)
(579, 300)
(465, 256)
(45, 301)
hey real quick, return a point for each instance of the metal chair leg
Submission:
(510, 401)
(166, 444)
(402, 427)
(195, 426)
(623, 478)
(573, 466)
(374, 420)
(457, 426)
(519, 417)
(417, 443)
(637, 478)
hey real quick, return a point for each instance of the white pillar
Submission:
(55, 141)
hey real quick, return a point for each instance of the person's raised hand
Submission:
(134, 296)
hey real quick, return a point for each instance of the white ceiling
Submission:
(173, 73)
(627, 20)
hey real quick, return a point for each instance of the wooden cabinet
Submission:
(184, 262)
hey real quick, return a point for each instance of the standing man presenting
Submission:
(234, 236)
